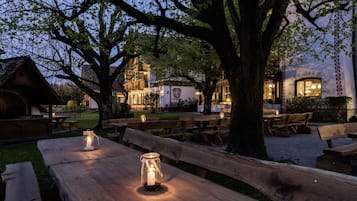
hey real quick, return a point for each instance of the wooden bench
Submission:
(72, 121)
(337, 158)
(107, 123)
(177, 129)
(278, 181)
(217, 129)
(21, 182)
(285, 124)
(298, 122)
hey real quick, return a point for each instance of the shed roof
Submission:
(21, 74)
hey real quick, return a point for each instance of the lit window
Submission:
(271, 91)
(308, 87)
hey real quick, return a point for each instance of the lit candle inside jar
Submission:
(221, 115)
(151, 176)
(89, 142)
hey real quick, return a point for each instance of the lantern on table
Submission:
(88, 140)
(151, 173)
(143, 118)
(276, 112)
(221, 115)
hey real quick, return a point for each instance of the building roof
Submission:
(22, 75)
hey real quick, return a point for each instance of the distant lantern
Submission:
(143, 118)
(221, 115)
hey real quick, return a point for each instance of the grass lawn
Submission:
(28, 152)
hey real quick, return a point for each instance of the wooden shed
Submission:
(23, 89)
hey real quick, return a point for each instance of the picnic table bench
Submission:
(285, 124)
(112, 172)
(72, 120)
(178, 129)
(21, 182)
(337, 158)
(278, 181)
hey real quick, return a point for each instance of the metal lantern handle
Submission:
(96, 136)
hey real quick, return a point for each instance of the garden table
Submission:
(115, 175)
(119, 130)
(269, 119)
(59, 121)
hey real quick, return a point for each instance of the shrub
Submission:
(324, 109)
(72, 106)
(353, 118)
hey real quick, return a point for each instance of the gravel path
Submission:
(300, 148)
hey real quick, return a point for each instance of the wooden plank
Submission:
(334, 163)
(350, 127)
(21, 182)
(119, 179)
(344, 150)
(297, 120)
(139, 138)
(65, 150)
(278, 181)
(331, 131)
(166, 147)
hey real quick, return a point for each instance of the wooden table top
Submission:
(118, 124)
(66, 150)
(273, 116)
(118, 178)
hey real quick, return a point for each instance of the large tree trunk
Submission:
(207, 102)
(104, 101)
(245, 75)
(246, 135)
(105, 112)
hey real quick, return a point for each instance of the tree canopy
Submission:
(191, 59)
(77, 37)
(243, 34)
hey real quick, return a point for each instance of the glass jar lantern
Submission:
(143, 118)
(151, 173)
(88, 140)
(221, 115)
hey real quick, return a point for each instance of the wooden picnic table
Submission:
(269, 119)
(119, 130)
(59, 121)
(112, 172)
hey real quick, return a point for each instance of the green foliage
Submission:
(188, 105)
(186, 56)
(72, 106)
(353, 118)
(191, 59)
(64, 36)
(152, 100)
(68, 91)
(324, 109)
